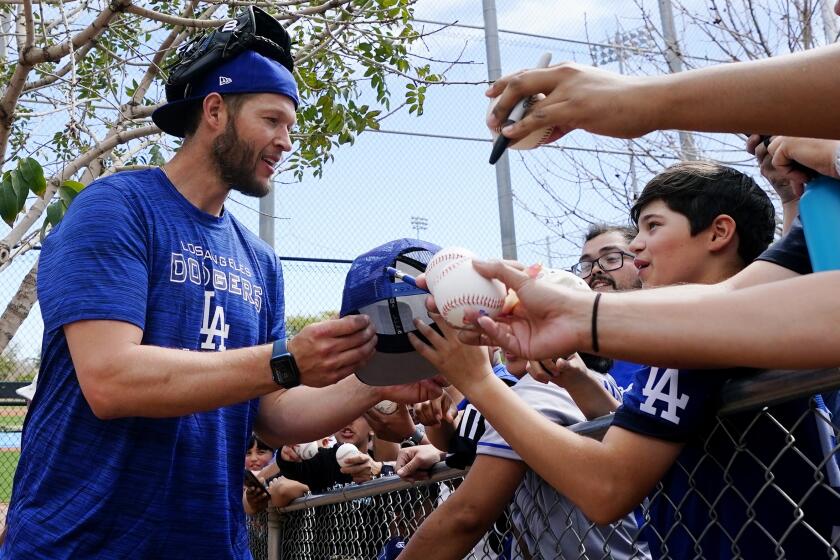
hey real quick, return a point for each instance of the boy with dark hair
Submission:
(750, 483)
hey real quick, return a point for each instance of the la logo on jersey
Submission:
(662, 385)
(210, 329)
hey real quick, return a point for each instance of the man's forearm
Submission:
(792, 323)
(764, 96)
(140, 380)
(306, 413)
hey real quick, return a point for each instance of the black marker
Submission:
(516, 114)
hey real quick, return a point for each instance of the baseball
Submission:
(537, 137)
(306, 450)
(345, 451)
(457, 287)
(386, 407)
(563, 278)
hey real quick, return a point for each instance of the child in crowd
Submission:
(754, 484)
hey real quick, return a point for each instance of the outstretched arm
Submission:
(762, 96)
(605, 479)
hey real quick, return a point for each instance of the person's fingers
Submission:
(753, 142)
(425, 350)
(404, 456)
(509, 90)
(500, 334)
(339, 327)
(410, 468)
(511, 275)
(538, 371)
(437, 409)
(472, 336)
(431, 306)
(431, 334)
(420, 280)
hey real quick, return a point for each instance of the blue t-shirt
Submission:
(755, 463)
(131, 248)
(624, 372)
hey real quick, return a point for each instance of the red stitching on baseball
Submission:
(482, 301)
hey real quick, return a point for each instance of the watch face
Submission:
(285, 371)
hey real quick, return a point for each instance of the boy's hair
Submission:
(701, 191)
(628, 232)
(259, 443)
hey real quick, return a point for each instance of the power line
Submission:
(567, 40)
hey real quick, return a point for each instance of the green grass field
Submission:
(8, 464)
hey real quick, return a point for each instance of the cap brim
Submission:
(27, 392)
(172, 117)
(395, 369)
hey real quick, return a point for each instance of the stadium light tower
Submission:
(418, 224)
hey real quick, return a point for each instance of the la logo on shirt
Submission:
(663, 385)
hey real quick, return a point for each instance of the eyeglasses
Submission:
(606, 262)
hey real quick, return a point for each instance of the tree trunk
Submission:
(19, 307)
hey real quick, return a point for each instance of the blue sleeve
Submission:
(94, 264)
(790, 251)
(670, 404)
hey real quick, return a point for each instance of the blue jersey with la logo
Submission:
(746, 485)
(132, 249)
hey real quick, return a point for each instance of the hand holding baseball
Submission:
(548, 320)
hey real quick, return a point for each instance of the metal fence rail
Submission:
(362, 521)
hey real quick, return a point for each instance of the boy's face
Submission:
(666, 252)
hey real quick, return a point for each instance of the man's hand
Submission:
(255, 500)
(812, 153)
(391, 427)
(547, 321)
(787, 184)
(328, 351)
(361, 467)
(576, 97)
(436, 411)
(413, 463)
(283, 491)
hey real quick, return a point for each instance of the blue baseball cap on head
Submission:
(392, 306)
(248, 72)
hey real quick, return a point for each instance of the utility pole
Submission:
(503, 188)
(673, 57)
(267, 217)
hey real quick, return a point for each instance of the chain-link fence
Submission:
(792, 499)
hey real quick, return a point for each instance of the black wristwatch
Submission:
(415, 438)
(283, 366)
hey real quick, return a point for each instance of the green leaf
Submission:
(33, 175)
(19, 186)
(55, 212)
(8, 200)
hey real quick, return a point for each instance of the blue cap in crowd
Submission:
(248, 72)
(392, 306)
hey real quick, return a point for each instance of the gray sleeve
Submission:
(548, 399)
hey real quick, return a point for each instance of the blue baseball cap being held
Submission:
(248, 72)
(392, 306)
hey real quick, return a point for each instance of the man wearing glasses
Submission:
(606, 264)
